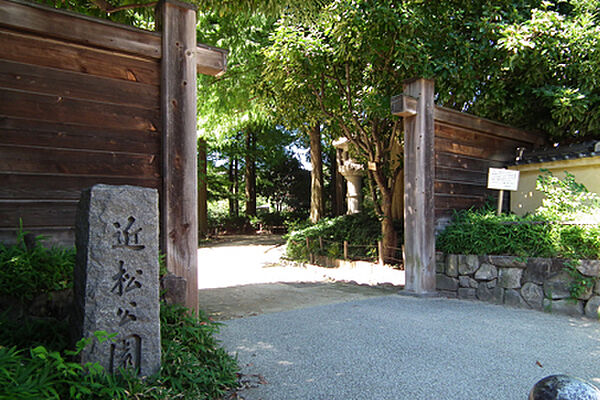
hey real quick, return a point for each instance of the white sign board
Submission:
(503, 179)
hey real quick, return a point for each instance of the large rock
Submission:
(486, 272)
(507, 261)
(592, 308)
(568, 307)
(537, 270)
(484, 293)
(444, 282)
(493, 295)
(467, 282)
(116, 286)
(440, 265)
(452, 265)
(589, 267)
(513, 298)
(467, 293)
(468, 264)
(563, 387)
(558, 286)
(533, 295)
(510, 278)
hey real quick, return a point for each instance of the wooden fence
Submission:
(465, 147)
(86, 101)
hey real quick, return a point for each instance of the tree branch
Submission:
(108, 8)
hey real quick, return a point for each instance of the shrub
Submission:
(193, 366)
(35, 364)
(28, 271)
(550, 232)
(193, 363)
(361, 230)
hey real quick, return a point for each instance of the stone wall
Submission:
(534, 283)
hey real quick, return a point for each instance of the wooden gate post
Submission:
(179, 213)
(416, 106)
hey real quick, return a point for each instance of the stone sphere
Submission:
(563, 387)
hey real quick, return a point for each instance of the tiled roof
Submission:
(566, 152)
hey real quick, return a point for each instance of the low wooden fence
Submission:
(346, 251)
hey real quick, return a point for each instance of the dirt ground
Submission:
(241, 276)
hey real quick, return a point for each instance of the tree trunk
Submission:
(337, 187)
(388, 232)
(316, 175)
(250, 173)
(202, 190)
(233, 187)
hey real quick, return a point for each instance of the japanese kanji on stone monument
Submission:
(116, 282)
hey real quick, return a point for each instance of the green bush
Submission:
(193, 367)
(361, 230)
(482, 232)
(193, 363)
(32, 332)
(551, 232)
(26, 272)
(35, 364)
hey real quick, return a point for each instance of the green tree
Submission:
(346, 62)
(549, 79)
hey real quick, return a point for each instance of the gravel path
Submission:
(397, 347)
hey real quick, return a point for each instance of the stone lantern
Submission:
(353, 172)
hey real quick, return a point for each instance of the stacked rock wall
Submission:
(535, 283)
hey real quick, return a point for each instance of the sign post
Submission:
(502, 179)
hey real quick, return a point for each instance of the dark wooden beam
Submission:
(471, 122)
(179, 212)
(58, 24)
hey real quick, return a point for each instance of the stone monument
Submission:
(116, 283)
(353, 172)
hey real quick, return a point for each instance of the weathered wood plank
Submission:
(29, 49)
(53, 236)
(65, 110)
(462, 188)
(458, 202)
(489, 153)
(75, 85)
(20, 131)
(461, 175)
(211, 60)
(29, 159)
(474, 138)
(449, 160)
(77, 28)
(60, 187)
(453, 117)
(38, 213)
(419, 171)
(179, 212)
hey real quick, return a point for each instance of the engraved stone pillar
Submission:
(353, 172)
(116, 283)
